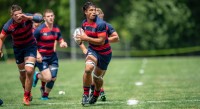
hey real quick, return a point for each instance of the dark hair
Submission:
(87, 5)
(15, 8)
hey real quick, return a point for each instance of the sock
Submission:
(27, 93)
(45, 94)
(96, 93)
(43, 84)
(86, 90)
(92, 87)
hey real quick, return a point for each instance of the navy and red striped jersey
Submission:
(46, 38)
(97, 29)
(21, 33)
(110, 29)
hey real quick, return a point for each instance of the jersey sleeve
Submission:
(59, 35)
(36, 34)
(101, 30)
(110, 29)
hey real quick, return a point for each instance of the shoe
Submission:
(85, 100)
(26, 101)
(35, 79)
(102, 96)
(44, 98)
(93, 100)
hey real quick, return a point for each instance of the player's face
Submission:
(90, 13)
(15, 16)
(49, 18)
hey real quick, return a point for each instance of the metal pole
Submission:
(72, 28)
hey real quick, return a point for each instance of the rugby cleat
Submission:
(44, 98)
(85, 100)
(26, 101)
(102, 96)
(35, 79)
(93, 100)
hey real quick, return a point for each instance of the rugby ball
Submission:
(78, 31)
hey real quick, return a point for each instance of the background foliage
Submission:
(141, 24)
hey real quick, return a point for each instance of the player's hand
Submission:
(39, 58)
(23, 16)
(82, 37)
(63, 44)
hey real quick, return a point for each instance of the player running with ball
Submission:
(98, 55)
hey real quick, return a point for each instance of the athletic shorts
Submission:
(48, 61)
(102, 60)
(21, 53)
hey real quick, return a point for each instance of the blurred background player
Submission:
(113, 37)
(99, 52)
(24, 45)
(46, 35)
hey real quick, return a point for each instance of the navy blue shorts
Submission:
(102, 60)
(48, 61)
(21, 53)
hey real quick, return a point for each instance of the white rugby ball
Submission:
(78, 31)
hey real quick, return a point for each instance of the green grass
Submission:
(168, 83)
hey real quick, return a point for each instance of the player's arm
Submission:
(101, 36)
(114, 37)
(2, 38)
(39, 57)
(54, 47)
(63, 44)
(35, 18)
(83, 48)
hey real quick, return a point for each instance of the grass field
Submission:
(163, 83)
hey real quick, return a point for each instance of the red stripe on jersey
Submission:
(16, 43)
(105, 53)
(55, 30)
(45, 44)
(3, 32)
(101, 34)
(48, 37)
(46, 51)
(101, 47)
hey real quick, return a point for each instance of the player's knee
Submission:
(90, 65)
(47, 79)
(89, 69)
(29, 70)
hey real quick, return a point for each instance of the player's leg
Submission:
(44, 75)
(29, 68)
(90, 64)
(98, 81)
(49, 85)
(102, 93)
(103, 62)
(30, 59)
(22, 76)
